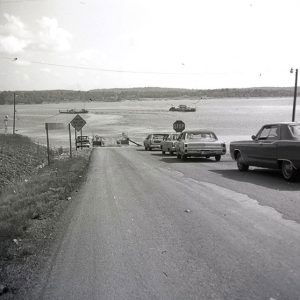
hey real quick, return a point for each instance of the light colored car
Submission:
(169, 143)
(199, 143)
(153, 141)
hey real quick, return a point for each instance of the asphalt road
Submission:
(151, 227)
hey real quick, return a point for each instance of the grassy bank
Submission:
(29, 207)
(19, 158)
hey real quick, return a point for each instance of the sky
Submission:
(199, 44)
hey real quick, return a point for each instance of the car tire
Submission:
(207, 156)
(218, 157)
(183, 157)
(289, 173)
(241, 166)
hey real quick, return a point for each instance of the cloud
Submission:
(53, 37)
(11, 44)
(15, 37)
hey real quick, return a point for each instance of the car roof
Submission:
(198, 130)
(282, 123)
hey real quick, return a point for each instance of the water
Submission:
(231, 119)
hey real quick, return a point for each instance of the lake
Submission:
(231, 118)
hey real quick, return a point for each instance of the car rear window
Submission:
(201, 135)
(159, 136)
(295, 129)
(174, 137)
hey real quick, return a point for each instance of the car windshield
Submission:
(295, 129)
(201, 135)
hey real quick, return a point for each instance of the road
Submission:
(152, 227)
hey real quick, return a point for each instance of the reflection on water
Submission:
(231, 119)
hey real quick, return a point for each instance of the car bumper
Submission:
(204, 153)
(155, 146)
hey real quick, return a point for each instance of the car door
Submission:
(264, 151)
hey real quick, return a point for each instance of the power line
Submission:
(13, 59)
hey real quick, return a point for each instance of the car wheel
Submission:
(289, 173)
(218, 157)
(207, 156)
(241, 166)
(183, 157)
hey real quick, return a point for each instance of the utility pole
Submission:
(14, 122)
(295, 94)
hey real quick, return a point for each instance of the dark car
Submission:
(275, 146)
(82, 141)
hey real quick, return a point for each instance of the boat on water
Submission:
(73, 111)
(183, 108)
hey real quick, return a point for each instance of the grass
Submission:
(19, 158)
(33, 198)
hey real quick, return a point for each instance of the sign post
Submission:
(70, 140)
(178, 126)
(48, 147)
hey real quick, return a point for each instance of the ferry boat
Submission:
(73, 111)
(183, 108)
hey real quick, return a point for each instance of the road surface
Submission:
(152, 227)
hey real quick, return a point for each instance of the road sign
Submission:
(78, 122)
(179, 126)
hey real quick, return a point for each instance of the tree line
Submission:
(58, 96)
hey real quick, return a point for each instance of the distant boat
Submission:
(73, 111)
(183, 108)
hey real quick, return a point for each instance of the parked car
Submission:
(97, 140)
(153, 141)
(169, 143)
(199, 143)
(275, 146)
(82, 141)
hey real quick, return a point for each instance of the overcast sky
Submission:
(88, 44)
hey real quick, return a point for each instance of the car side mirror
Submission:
(253, 137)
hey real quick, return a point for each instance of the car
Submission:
(169, 143)
(82, 141)
(199, 143)
(97, 140)
(153, 141)
(275, 146)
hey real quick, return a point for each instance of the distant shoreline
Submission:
(141, 94)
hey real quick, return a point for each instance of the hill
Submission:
(57, 96)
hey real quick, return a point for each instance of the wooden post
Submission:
(14, 121)
(295, 96)
(70, 140)
(48, 148)
(75, 138)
